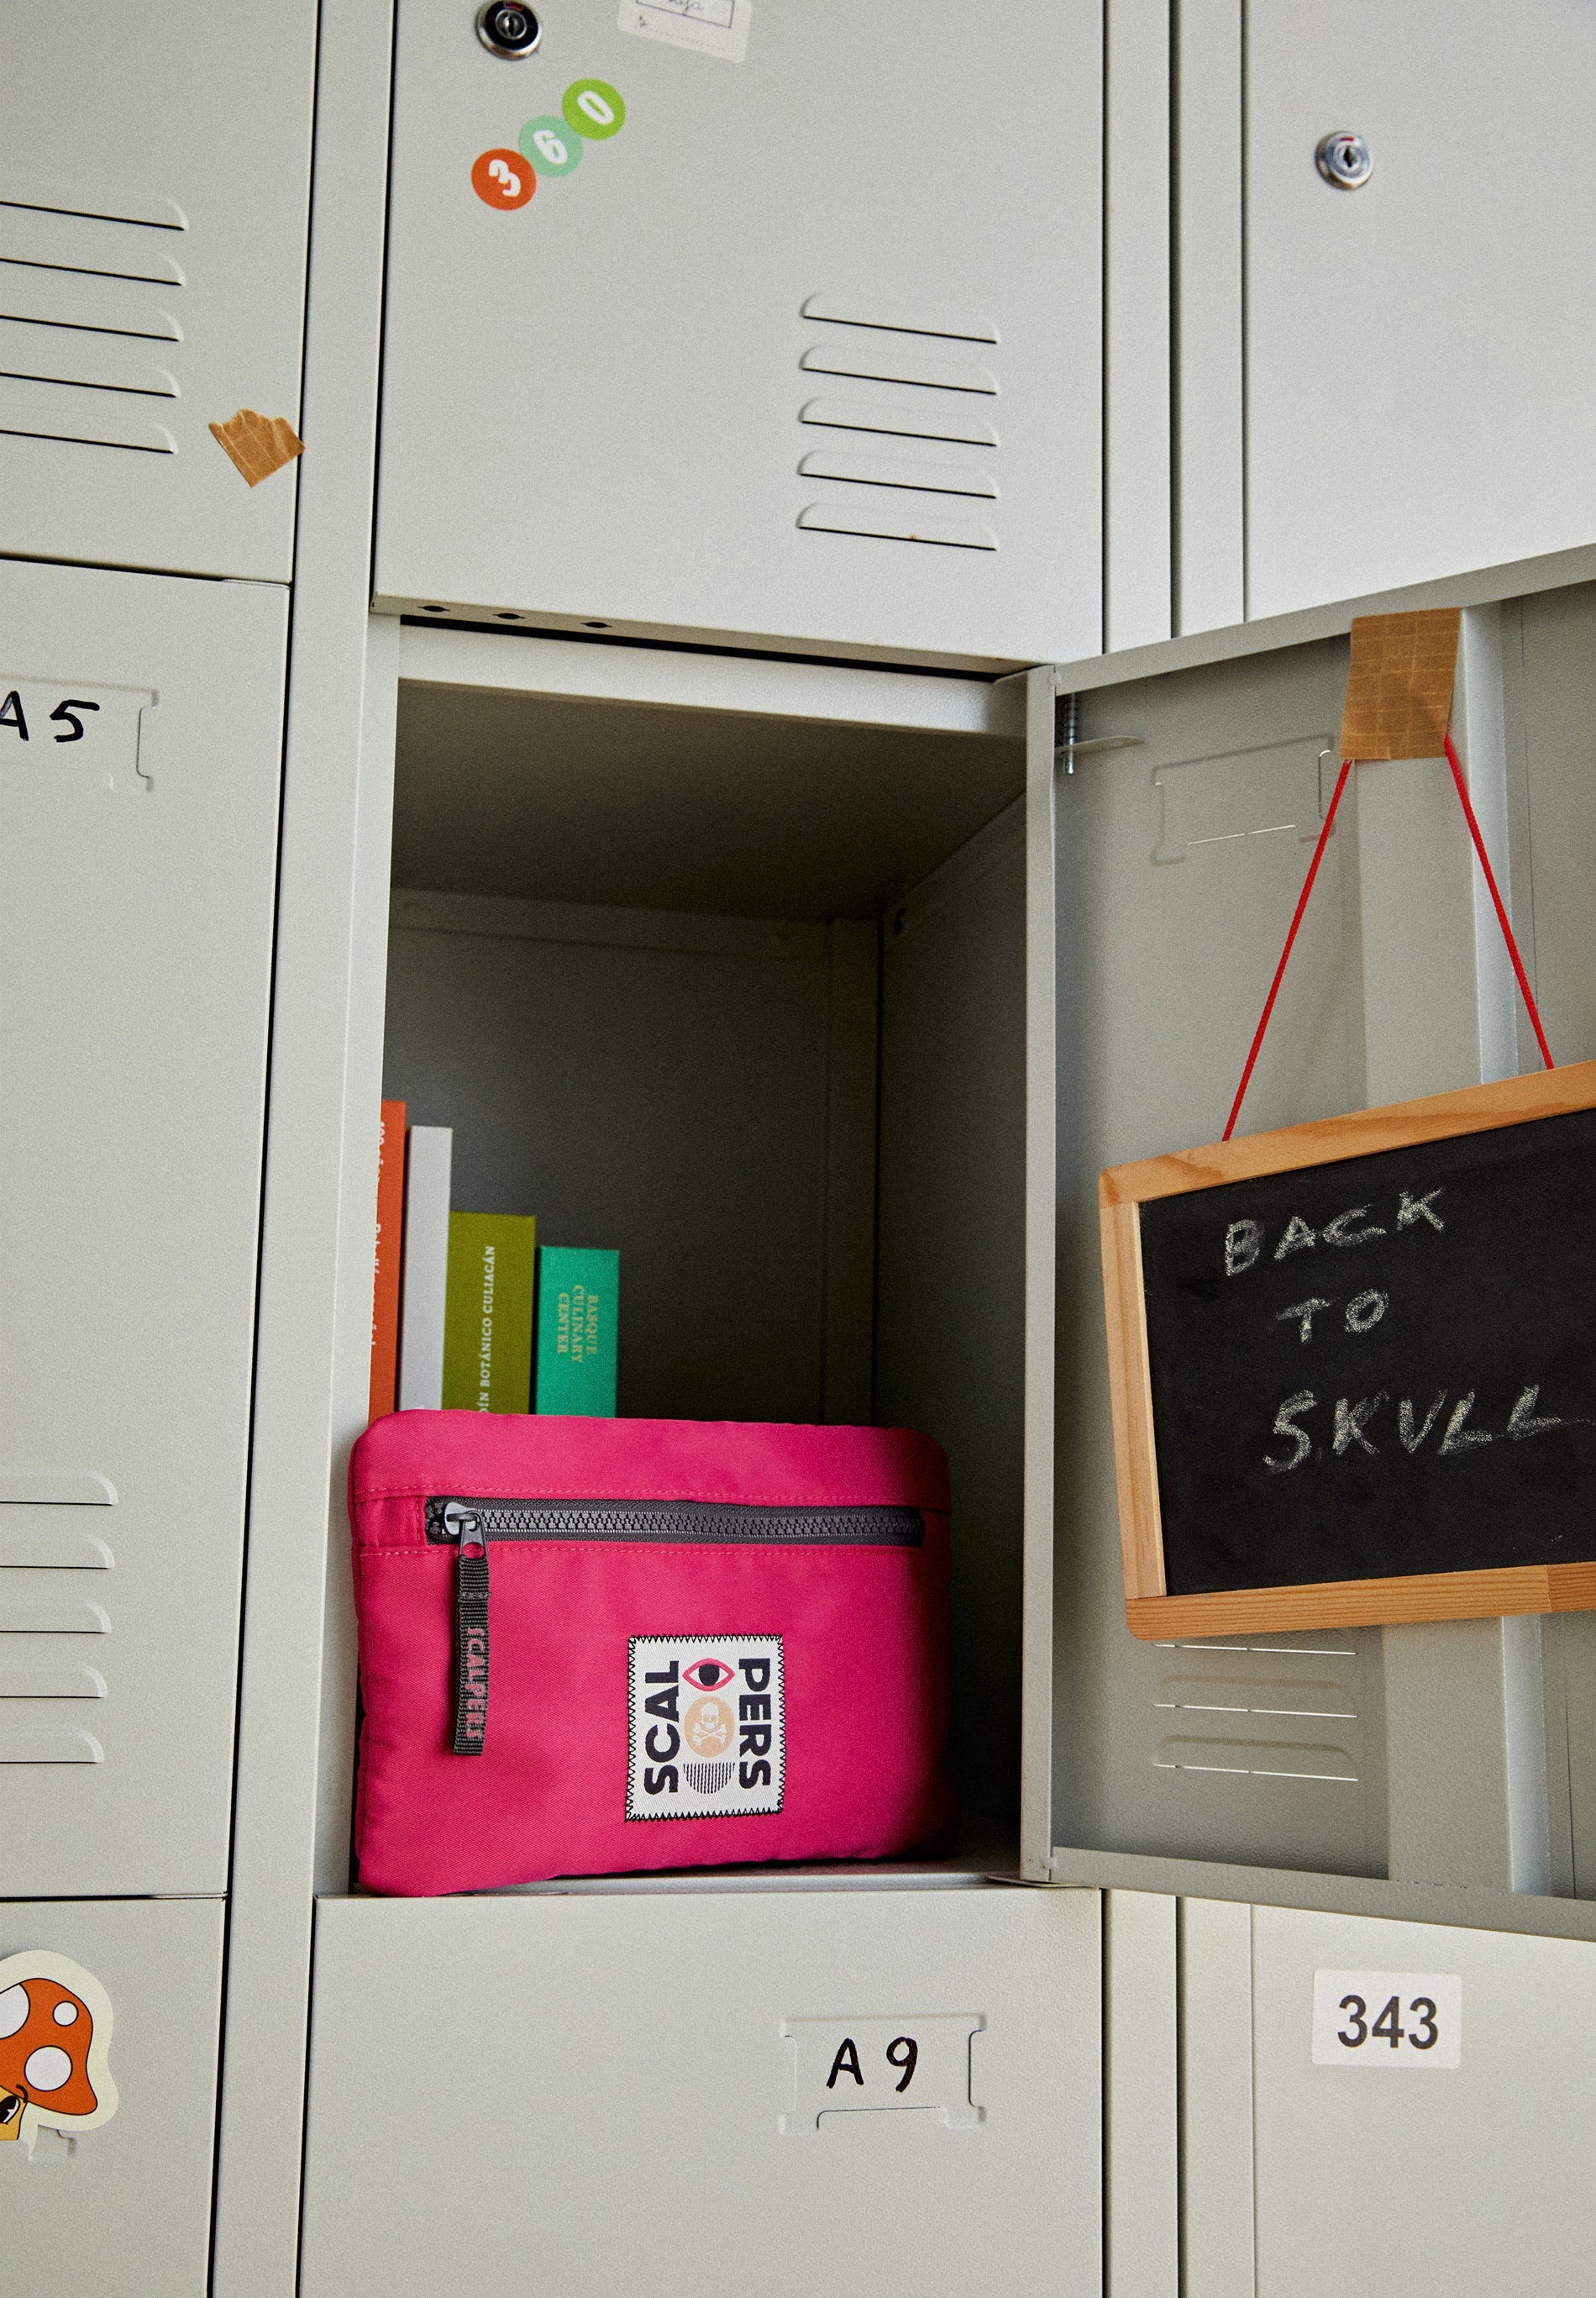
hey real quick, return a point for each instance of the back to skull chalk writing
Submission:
(1360, 1424)
(1245, 1239)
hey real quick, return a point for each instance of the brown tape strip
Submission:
(258, 445)
(1399, 690)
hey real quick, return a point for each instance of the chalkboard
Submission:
(1351, 1387)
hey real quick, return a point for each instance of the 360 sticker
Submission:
(595, 109)
(550, 145)
(502, 179)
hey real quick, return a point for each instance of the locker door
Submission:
(154, 184)
(125, 2209)
(1441, 2182)
(140, 727)
(1419, 350)
(593, 2092)
(800, 341)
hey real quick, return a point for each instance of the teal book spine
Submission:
(579, 1297)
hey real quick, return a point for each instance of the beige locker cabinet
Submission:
(1388, 2169)
(138, 860)
(155, 188)
(1418, 349)
(795, 339)
(126, 2208)
(587, 2094)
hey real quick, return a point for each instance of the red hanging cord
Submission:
(1274, 987)
(1501, 916)
(1302, 904)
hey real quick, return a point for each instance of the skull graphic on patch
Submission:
(706, 1726)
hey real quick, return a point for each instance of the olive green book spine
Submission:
(488, 1322)
(579, 1299)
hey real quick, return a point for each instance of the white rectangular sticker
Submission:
(879, 2065)
(714, 28)
(706, 1727)
(67, 732)
(1387, 2019)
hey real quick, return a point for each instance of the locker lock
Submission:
(507, 30)
(1342, 159)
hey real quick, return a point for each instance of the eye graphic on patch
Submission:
(707, 1675)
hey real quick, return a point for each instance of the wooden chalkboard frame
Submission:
(1122, 1191)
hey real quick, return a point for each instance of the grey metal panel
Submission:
(665, 1098)
(949, 1276)
(194, 127)
(1417, 349)
(126, 2208)
(1434, 2183)
(139, 866)
(1140, 2096)
(900, 167)
(1217, 2235)
(583, 2094)
(1180, 862)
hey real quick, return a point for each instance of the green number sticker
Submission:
(594, 108)
(550, 145)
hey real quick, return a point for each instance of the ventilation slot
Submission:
(913, 377)
(1261, 1712)
(43, 1673)
(88, 326)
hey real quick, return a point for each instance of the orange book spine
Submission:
(391, 1231)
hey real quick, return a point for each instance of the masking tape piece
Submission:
(1399, 690)
(258, 445)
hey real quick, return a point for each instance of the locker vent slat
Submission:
(87, 293)
(913, 377)
(1267, 1711)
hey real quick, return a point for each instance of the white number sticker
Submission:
(1387, 2019)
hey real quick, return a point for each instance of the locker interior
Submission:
(743, 994)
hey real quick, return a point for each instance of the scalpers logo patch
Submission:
(707, 1728)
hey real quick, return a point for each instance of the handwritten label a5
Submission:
(61, 730)
(1386, 2018)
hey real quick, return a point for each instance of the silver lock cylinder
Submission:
(505, 29)
(1343, 159)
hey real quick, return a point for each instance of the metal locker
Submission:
(1442, 2152)
(153, 202)
(126, 2207)
(140, 732)
(1418, 345)
(585, 2092)
(781, 322)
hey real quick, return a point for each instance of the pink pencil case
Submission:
(589, 1646)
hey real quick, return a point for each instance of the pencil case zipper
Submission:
(471, 1526)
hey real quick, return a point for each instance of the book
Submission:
(424, 1282)
(488, 1320)
(578, 1294)
(386, 1284)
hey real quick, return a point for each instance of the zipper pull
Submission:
(463, 1524)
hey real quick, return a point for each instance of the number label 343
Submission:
(1387, 2019)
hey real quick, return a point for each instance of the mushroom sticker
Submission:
(54, 2036)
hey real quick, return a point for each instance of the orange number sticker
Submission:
(503, 179)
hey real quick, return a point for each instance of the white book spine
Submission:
(429, 1154)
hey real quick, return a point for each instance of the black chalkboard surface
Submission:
(1344, 1379)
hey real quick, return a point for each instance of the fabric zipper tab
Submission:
(463, 1525)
